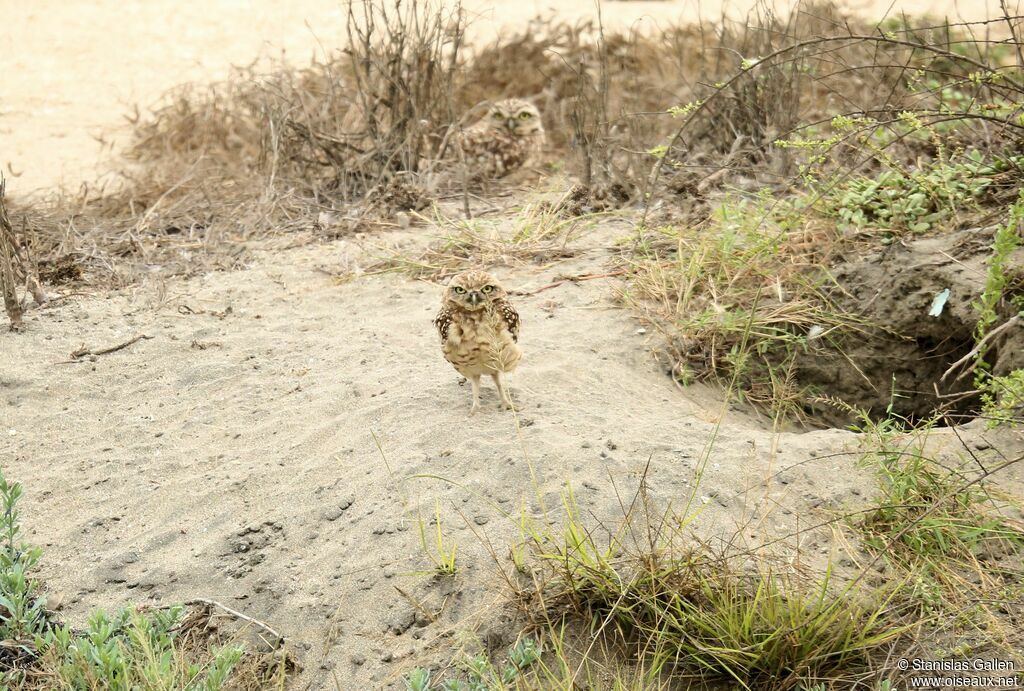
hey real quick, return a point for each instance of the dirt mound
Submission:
(901, 359)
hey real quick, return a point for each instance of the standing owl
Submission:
(504, 140)
(479, 331)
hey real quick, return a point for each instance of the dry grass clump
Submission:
(536, 236)
(809, 100)
(679, 610)
(190, 195)
(937, 575)
(214, 169)
(16, 266)
(739, 299)
(375, 115)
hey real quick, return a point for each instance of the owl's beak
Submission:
(510, 124)
(475, 298)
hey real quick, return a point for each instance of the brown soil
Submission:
(901, 359)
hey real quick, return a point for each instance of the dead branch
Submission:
(83, 351)
(12, 305)
(977, 349)
(570, 279)
(278, 639)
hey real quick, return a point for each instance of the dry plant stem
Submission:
(12, 306)
(571, 279)
(977, 349)
(723, 90)
(32, 283)
(277, 640)
(1008, 18)
(82, 352)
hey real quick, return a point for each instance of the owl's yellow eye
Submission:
(488, 289)
(525, 115)
(498, 116)
(460, 290)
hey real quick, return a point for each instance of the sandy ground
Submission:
(72, 69)
(234, 454)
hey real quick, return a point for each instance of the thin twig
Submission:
(977, 349)
(278, 638)
(570, 279)
(83, 351)
(12, 305)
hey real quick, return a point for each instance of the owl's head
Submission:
(516, 116)
(473, 290)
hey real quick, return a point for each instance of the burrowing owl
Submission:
(479, 331)
(504, 140)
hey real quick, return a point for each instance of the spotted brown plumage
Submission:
(479, 330)
(442, 321)
(511, 317)
(504, 140)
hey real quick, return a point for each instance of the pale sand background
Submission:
(234, 455)
(72, 68)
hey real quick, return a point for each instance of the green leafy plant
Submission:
(1007, 239)
(418, 680)
(133, 650)
(1002, 400)
(480, 673)
(916, 200)
(22, 614)
(1002, 397)
(129, 650)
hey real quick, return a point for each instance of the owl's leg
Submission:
(475, 381)
(499, 381)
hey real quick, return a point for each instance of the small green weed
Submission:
(130, 650)
(442, 553)
(481, 673)
(917, 200)
(22, 614)
(1002, 397)
(1002, 402)
(1007, 239)
(929, 520)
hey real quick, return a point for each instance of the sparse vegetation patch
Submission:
(153, 648)
(683, 612)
